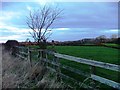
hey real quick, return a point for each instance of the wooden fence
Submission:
(25, 53)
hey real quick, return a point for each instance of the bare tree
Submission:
(40, 21)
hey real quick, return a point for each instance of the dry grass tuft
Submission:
(18, 74)
(13, 70)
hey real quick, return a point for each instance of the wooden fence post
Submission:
(53, 45)
(57, 68)
(56, 60)
(93, 71)
(46, 57)
(29, 57)
(18, 50)
(40, 57)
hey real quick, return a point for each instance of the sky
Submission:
(78, 20)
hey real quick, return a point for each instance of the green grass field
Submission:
(112, 45)
(98, 53)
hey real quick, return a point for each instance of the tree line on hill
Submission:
(96, 41)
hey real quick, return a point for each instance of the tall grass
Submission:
(17, 73)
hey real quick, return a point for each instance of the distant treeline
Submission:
(86, 42)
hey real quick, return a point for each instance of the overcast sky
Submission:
(78, 20)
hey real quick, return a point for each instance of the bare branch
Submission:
(41, 20)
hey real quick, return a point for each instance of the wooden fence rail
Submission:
(57, 65)
(90, 62)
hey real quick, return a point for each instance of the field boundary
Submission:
(25, 53)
